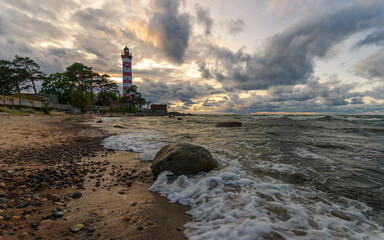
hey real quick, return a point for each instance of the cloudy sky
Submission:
(215, 56)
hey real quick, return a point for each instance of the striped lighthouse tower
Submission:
(127, 70)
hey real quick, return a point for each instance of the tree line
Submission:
(79, 85)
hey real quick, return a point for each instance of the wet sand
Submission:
(114, 202)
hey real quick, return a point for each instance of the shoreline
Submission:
(115, 202)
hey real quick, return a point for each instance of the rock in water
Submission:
(183, 159)
(229, 124)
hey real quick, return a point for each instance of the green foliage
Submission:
(135, 98)
(107, 90)
(81, 99)
(45, 110)
(15, 111)
(30, 70)
(19, 74)
(6, 72)
(26, 110)
(78, 85)
(125, 109)
(58, 84)
(80, 76)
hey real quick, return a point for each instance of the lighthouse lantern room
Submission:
(127, 70)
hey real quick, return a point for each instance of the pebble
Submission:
(129, 183)
(23, 205)
(15, 218)
(89, 221)
(45, 224)
(22, 187)
(76, 179)
(127, 218)
(77, 227)
(77, 195)
(58, 214)
(54, 197)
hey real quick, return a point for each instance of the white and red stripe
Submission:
(127, 70)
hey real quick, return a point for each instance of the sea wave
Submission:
(229, 204)
(235, 202)
(147, 143)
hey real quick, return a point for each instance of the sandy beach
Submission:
(57, 182)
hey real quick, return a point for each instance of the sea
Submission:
(279, 176)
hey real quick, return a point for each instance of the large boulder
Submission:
(183, 159)
(229, 124)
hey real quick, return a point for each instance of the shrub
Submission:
(45, 110)
(26, 110)
(81, 99)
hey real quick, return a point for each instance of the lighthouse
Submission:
(127, 70)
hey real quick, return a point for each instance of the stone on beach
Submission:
(45, 224)
(228, 124)
(77, 227)
(77, 195)
(183, 159)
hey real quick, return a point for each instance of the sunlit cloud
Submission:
(191, 57)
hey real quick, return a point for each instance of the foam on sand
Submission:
(148, 143)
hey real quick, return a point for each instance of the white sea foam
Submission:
(305, 153)
(359, 118)
(306, 117)
(363, 119)
(245, 144)
(273, 116)
(228, 204)
(279, 167)
(147, 143)
(231, 204)
(111, 119)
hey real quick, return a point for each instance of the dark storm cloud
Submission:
(372, 67)
(90, 17)
(50, 10)
(171, 27)
(236, 26)
(95, 45)
(357, 100)
(161, 74)
(1, 26)
(377, 93)
(205, 72)
(376, 37)
(23, 28)
(163, 92)
(331, 93)
(288, 57)
(203, 17)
